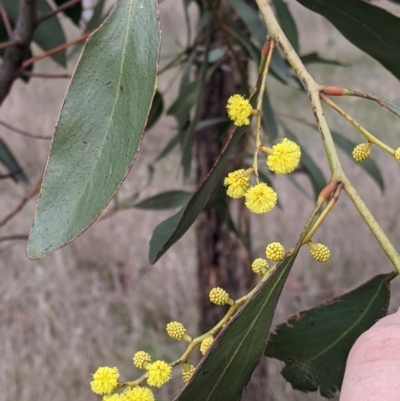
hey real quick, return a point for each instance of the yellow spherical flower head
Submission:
(219, 296)
(159, 373)
(259, 266)
(141, 359)
(176, 330)
(114, 397)
(361, 152)
(239, 110)
(237, 183)
(205, 344)
(319, 252)
(187, 371)
(397, 154)
(285, 157)
(138, 394)
(261, 198)
(275, 251)
(105, 380)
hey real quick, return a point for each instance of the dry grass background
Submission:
(97, 301)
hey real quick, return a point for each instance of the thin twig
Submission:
(9, 43)
(6, 21)
(30, 74)
(11, 175)
(15, 55)
(56, 50)
(21, 205)
(14, 237)
(52, 13)
(24, 133)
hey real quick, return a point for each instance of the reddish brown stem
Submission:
(55, 50)
(42, 75)
(333, 91)
(21, 205)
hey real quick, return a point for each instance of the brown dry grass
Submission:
(97, 301)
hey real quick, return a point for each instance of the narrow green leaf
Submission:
(48, 35)
(315, 344)
(370, 28)
(156, 110)
(97, 16)
(101, 125)
(174, 141)
(11, 164)
(287, 23)
(164, 200)
(73, 13)
(315, 58)
(178, 224)
(256, 27)
(226, 369)
(369, 166)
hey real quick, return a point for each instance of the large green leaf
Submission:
(235, 352)
(370, 28)
(315, 344)
(11, 164)
(100, 126)
(172, 229)
(48, 35)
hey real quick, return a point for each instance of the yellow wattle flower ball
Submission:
(176, 330)
(361, 152)
(260, 198)
(187, 371)
(138, 394)
(275, 251)
(320, 252)
(285, 157)
(141, 359)
(219, 296)
(259, 266)
(105, 380)
(114, 397)
(205, 344)
(397, 154)
(159, 373)
(239, 110)
(238, 183)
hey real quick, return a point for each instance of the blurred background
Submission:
(98, 300)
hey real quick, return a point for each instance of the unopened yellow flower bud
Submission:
(219, 296)
(141, 359)
(177, 331)
(259, 266)
(397, 154)
(319, 252)
(105, 380)
(239, 110)
(187, 371)
(205, 344)
(159, 373)
(361, 152)
(237, 182)
(275, 251)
